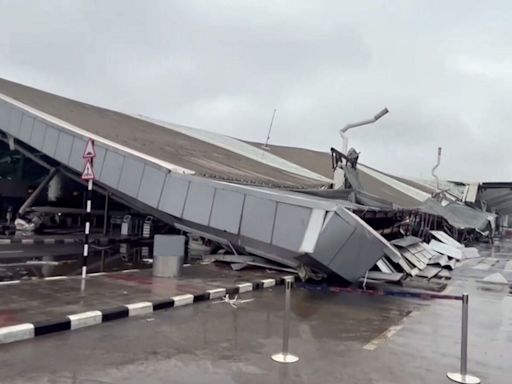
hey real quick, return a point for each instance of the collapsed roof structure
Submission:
(278, 204)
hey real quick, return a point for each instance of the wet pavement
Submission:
(340, 338)
(24, 262)
(216, 343)
(50, 299)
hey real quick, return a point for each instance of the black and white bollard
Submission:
(462, 376)
(284, 356)
(87, 229)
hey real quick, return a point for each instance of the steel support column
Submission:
(28, 203)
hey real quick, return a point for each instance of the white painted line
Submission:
(69, 241)
(141, 308)
(27, 241)
(268, 283)
(56, 278)
(85, 319)
(10, 282)
(49, 241)
(244, 287)
(183, 300)
(217, 293)
(8, 252)
(186, 265)
(5, 241)
(383, 337)
(97, 274)
(130, 270)
(16, 333)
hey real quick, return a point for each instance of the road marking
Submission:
(56, 277)
(268, 283)
(388, 333)
(139, 308)
(216, 293)
(183, 299)
(85, 319)
(244, 287)
(16, 333)
(19, 251)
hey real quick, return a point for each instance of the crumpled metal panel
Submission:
(348, 246)
(460, 216)
(405, 242)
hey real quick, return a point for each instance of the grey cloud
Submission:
(440, 67)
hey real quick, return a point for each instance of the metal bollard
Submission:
(462, 376)
(284, 356)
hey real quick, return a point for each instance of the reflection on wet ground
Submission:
(101, 259)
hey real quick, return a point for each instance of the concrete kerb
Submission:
(75, 321)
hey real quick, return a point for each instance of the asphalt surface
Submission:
(340, 338)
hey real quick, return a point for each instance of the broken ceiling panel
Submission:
(446, 249)
(406, 241)
(447, 239)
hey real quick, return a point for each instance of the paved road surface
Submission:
(339, 339)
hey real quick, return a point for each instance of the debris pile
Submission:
(419, 259)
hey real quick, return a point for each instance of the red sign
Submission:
(88, 173)
(89, 152)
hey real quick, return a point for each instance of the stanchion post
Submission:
(285, 357)
(462, 376)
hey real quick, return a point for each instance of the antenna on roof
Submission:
(269, 130)
(435, 167)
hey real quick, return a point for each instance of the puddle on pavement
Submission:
(101, 259)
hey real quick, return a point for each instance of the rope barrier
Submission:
(381, 292)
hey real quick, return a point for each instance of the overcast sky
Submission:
(443, 68)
